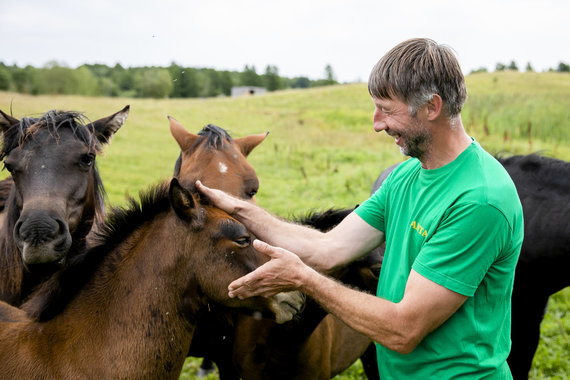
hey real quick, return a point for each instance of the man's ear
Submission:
(434, 107)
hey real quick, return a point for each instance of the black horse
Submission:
(543, 185)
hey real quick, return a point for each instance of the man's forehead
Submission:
(388, 102)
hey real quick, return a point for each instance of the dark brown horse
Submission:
(56, 194)
(127, 307)
(220, 161)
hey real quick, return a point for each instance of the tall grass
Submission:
(321, 151)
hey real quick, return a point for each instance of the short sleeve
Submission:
(468, 240)
(372, 210)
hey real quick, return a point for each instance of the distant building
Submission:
(248, 90)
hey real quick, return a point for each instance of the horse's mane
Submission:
(539, 170)
(5, 188)
(52, 121)
(323, 220)
(214, 137)
(53, 295)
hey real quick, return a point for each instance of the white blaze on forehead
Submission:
(223, 167)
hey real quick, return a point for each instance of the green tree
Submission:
(249, 77)
(529, 68)
(184, 82)
(329, 74)
(55, 78)
(153, 83)
(124, 78)
(300, 82)
(500, 67)
(513, 66)
(24, 79)
(226, 82)
(271, 79)
(5, 78)
(85, 83)
(108, 87)
(563, 67)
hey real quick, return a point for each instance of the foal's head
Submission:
(57, 192)
(221, 251)
(216, 159)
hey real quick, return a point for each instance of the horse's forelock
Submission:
(214, 136)
(52, 121)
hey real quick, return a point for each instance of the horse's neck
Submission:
(131, 309)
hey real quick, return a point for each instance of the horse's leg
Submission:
(370, 363)
(528, 309)
(226, 368)
(206, 367)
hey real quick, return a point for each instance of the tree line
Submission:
(173, 81)
(500, 66)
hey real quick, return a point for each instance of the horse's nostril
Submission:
(17, 235)
(62, 226)
(38, 229)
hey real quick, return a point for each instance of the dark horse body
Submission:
(316, 345)
(543, 186)
(127, 307)
(248, 347)
(55, 193)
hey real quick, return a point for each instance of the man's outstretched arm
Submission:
(348, 241)
(399, 326)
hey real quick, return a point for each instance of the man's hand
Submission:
(221, 199)
(284, 272)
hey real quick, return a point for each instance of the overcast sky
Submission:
(300, 37)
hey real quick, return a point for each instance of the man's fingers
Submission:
(265, 248)
(202, 188)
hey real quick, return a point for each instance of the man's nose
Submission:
(378, 121)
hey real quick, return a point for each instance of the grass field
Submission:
(322, 152)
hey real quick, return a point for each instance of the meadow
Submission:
(322, 152)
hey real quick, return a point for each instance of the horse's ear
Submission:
(184, 138)
(246, 144)
(106, 127)
(182, 200)
(6, 121)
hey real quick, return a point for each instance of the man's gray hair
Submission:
(414, 71)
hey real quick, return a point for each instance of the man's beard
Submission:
(417, 142)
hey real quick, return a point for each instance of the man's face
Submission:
(409, 133)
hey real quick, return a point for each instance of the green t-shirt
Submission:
(460, 226)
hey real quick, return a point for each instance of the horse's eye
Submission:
(252, 193)
(243, 241)
(9, 167)
(87, 159)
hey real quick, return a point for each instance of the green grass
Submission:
(322, 152)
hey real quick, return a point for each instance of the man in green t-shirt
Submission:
(453, 227)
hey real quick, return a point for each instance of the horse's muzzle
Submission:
(42, 239)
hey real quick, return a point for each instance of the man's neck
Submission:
(449, 141)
